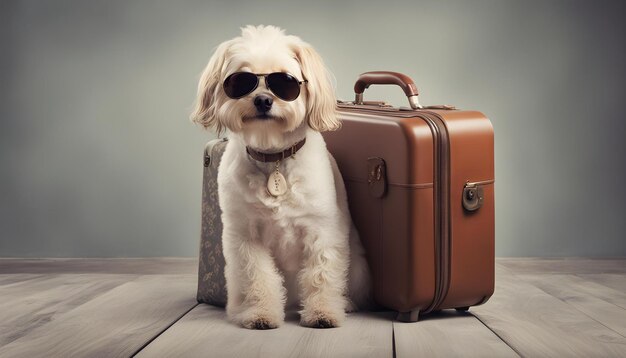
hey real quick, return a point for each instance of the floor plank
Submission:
(536, 324)
(614, 281)
(17, 291)
(448, 334)
(564, 265)
(14, 291)
(603, 304)
(140, 266)
(569, 285)
(33, 303)
(204, 331)
(114, 324)
(12, 278)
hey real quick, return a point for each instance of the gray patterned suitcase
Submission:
(211, 281)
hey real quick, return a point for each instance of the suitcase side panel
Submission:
(472, 255)
(409, 255)
(211, 281)
(397, 229)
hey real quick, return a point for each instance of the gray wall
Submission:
(97, 157)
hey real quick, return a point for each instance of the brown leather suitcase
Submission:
(420, 183)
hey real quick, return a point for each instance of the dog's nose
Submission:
(263, 102)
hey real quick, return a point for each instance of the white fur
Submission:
(301, 248)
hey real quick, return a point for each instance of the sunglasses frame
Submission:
(264, 75)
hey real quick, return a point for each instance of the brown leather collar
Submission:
(274, 157)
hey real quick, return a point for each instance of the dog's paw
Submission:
(261, 322)
(321, 319)
(259, 319)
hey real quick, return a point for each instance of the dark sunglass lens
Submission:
(284, 85)
(240, 84)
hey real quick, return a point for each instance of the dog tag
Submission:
(276, 183)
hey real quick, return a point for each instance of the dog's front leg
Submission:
(323, 280)
(256, 296)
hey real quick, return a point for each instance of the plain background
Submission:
(98, 158)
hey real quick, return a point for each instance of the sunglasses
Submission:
(282, 84)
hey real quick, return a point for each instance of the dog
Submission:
(288, 237)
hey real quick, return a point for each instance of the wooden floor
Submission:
(147, 307)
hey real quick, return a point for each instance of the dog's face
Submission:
(261, 116)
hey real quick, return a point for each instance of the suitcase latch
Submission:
(376, 176)
(473, 196)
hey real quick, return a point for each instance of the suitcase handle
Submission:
(386, 78)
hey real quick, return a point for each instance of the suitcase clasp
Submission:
(473, 196)
(376, 176)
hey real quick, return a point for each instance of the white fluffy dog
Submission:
(288, 236)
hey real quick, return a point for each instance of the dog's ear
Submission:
(322, 105)
(205, 108)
